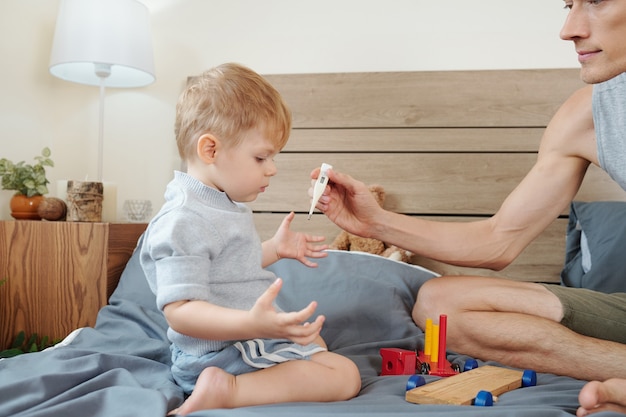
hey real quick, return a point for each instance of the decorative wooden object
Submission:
(52, 208)
(84, 201)
(59, 274)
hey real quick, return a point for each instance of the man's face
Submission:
(598, 30)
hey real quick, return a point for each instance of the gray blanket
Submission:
(121, 366)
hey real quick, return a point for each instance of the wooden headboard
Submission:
(449, 144)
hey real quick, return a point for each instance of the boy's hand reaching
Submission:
(296, 245)
(279, 325)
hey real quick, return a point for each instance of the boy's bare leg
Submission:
(517, 324)
(609, 395)
(325, 377)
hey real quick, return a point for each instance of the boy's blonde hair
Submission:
(227, 101)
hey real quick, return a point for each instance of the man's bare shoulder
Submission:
(570, 133)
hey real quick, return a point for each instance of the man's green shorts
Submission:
(593, 313)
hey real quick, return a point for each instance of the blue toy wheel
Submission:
(483, 399)
(529, 378)
(470, 364)
(415, 381)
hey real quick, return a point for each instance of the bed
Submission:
(121, 366)
(455, 143)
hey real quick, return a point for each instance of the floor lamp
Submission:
(104, 43)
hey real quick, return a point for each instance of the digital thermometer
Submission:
(319, 187)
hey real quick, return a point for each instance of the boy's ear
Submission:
(207, 147)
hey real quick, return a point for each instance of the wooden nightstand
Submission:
(59, 274)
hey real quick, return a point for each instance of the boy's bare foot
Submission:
(214, 389)
(596, 396)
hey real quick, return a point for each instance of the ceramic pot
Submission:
(25, 208)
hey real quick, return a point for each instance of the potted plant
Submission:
(29, 183)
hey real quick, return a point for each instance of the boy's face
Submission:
(598, 30)
(244, 171)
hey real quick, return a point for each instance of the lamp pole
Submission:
(102, 71)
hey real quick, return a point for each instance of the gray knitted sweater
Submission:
(203, 246)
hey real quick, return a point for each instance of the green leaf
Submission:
(9, 353)
(32, 340)
(25, 178)
(19, 340)
(21, 345)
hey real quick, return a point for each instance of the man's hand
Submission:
(348, 203)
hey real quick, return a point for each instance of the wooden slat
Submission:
(267, 224)
(415, 140)
(422, 183)
(523, 98)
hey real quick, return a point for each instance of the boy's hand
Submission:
(297, 245)
(279, 325)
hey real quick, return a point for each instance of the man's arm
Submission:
(566, 149)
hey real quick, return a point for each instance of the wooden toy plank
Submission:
(461, 389)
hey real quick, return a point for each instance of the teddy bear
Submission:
(350, 242)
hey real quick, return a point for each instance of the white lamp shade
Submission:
(115, 33)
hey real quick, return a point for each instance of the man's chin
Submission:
(593, 75)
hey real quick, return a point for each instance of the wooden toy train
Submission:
(475, 386)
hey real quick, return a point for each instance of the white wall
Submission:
(271, 36)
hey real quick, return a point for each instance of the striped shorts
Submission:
(238, 358)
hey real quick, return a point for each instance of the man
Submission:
(574, 332)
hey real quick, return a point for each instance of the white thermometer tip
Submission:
(320, 185)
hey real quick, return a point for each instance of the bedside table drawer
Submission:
(59, 274)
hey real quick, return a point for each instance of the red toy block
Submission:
(397, 361)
